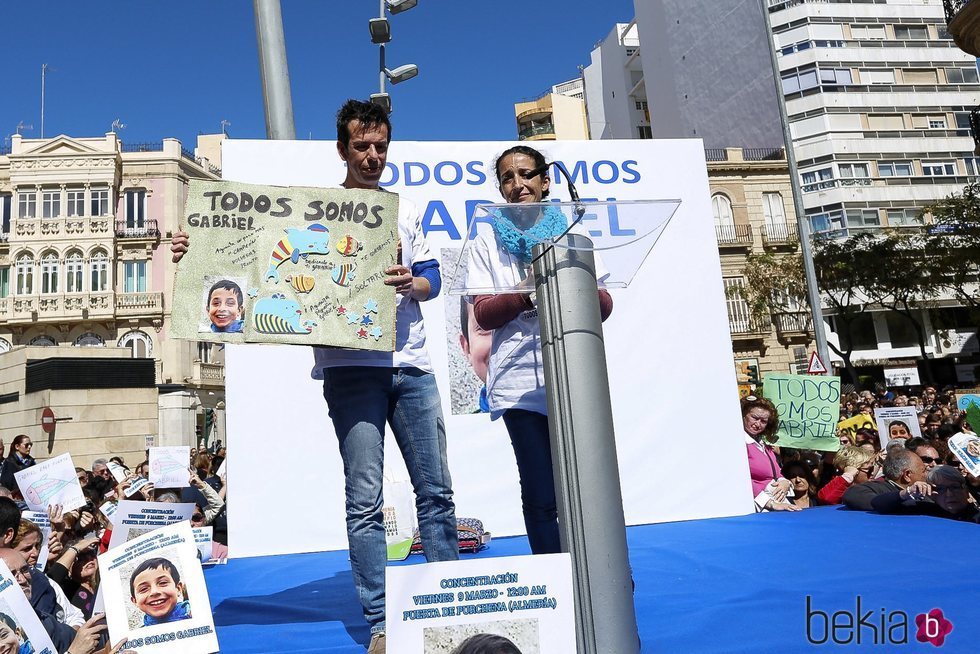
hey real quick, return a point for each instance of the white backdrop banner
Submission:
(678, 429)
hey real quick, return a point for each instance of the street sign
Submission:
(816, 367)
(47, 420)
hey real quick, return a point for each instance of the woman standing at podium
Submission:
(515, 379)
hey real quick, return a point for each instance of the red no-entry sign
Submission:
(47, 420)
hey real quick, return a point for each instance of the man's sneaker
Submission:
(377, 645)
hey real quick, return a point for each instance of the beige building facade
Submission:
(752, 205)
(557, 114)
(85, 270)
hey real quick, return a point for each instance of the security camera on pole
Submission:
(380, 30)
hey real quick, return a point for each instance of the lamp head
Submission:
(398, 6)
(380, 30)
(402, 73)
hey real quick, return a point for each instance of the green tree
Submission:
(843, 270)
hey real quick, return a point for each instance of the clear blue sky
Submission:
(177, 68)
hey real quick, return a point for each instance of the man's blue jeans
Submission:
(532, 447)
(361, 400)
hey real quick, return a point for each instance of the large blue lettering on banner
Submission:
(437, 217)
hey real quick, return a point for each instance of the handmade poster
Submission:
(851, 425)
(118, 472)
(808, 408)
(965, 398)
(897, 422)
(203, 539)
(51, 482)
(155, 596)
(434, 608)
(19, 621)
(135, 486)
(40, 518)
(170, 466)
(133, 519)
(966, 448)
(299, 265)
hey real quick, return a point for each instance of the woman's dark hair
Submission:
(807, 473)
(752, 402)
(18, 439)
(538, 158)
(486, 644)
(366, 113)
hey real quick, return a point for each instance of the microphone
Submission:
(540, 170)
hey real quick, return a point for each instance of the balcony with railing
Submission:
(56, 307)
(145, 229)
(733, 235)
(963, 20)
(207, 374)
(743, 328)
(537, 130)
(792, 323)
(778, 234)
(139, 305)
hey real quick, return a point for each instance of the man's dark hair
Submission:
(152, 564)
(912, 444)
(487, 644)
(9, 516)
(367, 114)
(228, 285)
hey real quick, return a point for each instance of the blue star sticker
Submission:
(376, 332)
(366, 320)
(353, 318)
(371, 306)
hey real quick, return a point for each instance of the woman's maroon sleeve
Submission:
(605, 304)
(495, 311)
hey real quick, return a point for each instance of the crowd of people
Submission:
(897, 474)
(62, 587)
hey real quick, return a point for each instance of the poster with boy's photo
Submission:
(224, 305)
(21, 632)
(897, 422)
(468, 345)
(155, 596)
(294, 265)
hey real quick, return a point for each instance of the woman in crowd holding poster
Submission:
(515, 378)
(760, 422)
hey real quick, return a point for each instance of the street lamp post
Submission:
(380, 30)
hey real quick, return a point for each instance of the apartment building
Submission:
(85, 265)
(559, 113)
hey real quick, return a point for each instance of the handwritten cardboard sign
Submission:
(300, 265)
(51, 482)
(808, 408)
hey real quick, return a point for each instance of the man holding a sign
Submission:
(366, 389)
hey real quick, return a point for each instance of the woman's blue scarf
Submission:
(520, 243)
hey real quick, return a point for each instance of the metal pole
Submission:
(583, 449)
(44, 68)
(274, 70)
(381, 73)
(803, 225)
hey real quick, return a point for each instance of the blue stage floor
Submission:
(723, 585)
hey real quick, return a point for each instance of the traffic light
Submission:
(753, 374)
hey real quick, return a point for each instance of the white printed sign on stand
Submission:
(169, 466)
(528, 600)
(29, 632)
(897, 422)
(51, 482)
(155, 595)
(133, 519)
